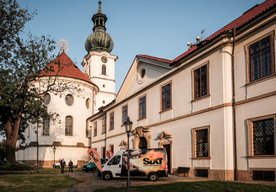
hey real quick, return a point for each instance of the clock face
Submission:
(104, 59)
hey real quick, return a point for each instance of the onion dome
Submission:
(99, 40)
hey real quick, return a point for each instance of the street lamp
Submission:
(128, 127)
(54, 150)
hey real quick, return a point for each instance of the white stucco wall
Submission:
(214, 111)
(219, 120)
(79, 111)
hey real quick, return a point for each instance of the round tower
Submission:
(99, 63)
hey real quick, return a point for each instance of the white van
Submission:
(149, 163)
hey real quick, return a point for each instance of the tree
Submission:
(2, 151)
(21, 61)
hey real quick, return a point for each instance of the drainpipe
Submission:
(233, 106)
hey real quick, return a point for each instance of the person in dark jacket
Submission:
(70, 166)
(62, 165)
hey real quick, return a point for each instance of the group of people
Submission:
(63, 163)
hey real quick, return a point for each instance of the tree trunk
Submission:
(11, 129)
(10, 151)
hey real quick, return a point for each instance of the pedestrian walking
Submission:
(62, 165)
(70, 166)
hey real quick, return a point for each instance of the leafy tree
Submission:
(21, 61)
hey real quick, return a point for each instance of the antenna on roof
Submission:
(198, 39)
(63, 45)
(202, 33)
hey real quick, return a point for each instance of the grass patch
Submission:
(206, 186)
(55, 171)
(35, 182)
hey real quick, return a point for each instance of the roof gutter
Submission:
(234, 106)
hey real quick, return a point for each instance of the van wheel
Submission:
(107, 176)
(153, 177)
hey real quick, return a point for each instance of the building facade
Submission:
(68, 137)
(212, 107)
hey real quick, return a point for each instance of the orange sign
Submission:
(94, 156)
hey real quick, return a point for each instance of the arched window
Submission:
(69, 125)
(88, 103)
(46, 126)
(103, 69)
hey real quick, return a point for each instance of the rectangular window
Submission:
(200, 142)
(46, 126)
(142, 107)
(111, 121)
(103, 152)
(263, 137)
(95, 129)
(89, 132)
(201, 82)
(124, 114)
(166, 96)
(201, 172)
(104, 124)
(264, 175)
(103, 69)
(111, 147)
(261, 58)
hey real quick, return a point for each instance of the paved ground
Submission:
(90, 182)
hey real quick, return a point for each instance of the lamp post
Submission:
(128, 127)
(54, 150)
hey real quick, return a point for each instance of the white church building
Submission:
(69, 136)
(213, 107)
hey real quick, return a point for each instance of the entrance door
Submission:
(168, 149)
(143, 144)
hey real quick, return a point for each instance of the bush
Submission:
(15, 167)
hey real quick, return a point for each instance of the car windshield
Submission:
(103, 161)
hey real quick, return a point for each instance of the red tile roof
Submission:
(245, 18)
(63, 66)
(154, 58)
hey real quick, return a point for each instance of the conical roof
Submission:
(63, 66)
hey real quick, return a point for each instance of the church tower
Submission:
(99, 63)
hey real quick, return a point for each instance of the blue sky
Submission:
(159, 28)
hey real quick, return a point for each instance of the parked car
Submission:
(91, 166)
(19, 163)
(56, 165)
